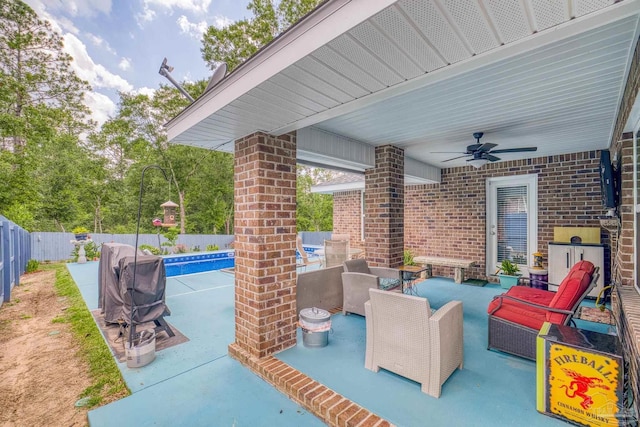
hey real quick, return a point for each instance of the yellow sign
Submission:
(586, 234)
(583, 386)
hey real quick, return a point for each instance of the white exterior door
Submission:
(512, 220)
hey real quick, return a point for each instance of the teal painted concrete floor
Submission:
(197, 383)
(194, 383)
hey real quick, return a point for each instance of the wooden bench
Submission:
(458, 264)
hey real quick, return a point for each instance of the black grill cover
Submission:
(149, 291)
(109, 298)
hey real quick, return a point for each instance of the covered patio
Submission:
(394, 90)
(196, 383)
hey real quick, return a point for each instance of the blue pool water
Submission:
(178, 265)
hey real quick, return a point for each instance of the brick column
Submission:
(265, 245)
(384, 208)
(347, 216)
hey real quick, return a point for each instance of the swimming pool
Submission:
(178, 265)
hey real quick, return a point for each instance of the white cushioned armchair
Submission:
(404, 337)
(358, 278)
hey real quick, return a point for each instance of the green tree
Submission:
(235, 43)
(41, 116)
(200, 179)
(38, 89)
(314, 211)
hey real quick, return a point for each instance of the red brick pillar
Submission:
(265, 245)
(384, 208)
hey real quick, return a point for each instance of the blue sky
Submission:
(119, 45)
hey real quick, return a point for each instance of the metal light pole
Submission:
(165, 71)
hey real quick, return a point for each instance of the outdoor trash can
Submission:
(315, 323)
(539, 278)
(143, 350)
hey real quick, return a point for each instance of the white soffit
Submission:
(322, 148)
(425, 74)
(336, 188)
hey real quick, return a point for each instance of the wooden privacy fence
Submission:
(15, 252)
(50, 246)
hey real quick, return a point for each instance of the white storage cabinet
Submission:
(563, 256)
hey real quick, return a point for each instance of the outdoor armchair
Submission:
(404, 337)
(358, 278)
(335, 252)
(515, 317)
(303, 255)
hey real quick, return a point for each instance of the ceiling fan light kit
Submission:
(478, 163)
(481, 154)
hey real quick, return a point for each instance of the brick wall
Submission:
(624, 258)
(265, 243)
(347, 216)
(625, 300)
(384, 207)
(448, 219)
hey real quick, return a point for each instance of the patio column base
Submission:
(329, 406)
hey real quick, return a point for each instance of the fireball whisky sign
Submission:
(580, 376)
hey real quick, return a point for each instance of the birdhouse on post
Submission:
(169, 209)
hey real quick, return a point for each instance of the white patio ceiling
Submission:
(425, 74)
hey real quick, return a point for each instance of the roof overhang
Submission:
(424, 75)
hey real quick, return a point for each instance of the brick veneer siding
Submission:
(624, 258)
(625, 300)
(448, 219)
(265, 243)
(347, 216)
(384, 207)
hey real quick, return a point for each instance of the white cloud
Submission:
(197, 6)
(150, 92)
(124, 64)
(97, 75)
(101, 43)
(194, 30)
(150, 7)
(101, 106)
(147, 15)
(58, 23)
(222, 21)
(72, 7)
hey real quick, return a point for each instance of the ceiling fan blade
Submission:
(473, 147)
(487, 146)
(459, 157)
(491, 158)
(515, 150)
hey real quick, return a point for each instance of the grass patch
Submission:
(108, 384)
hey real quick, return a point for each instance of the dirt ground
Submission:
(41, 377)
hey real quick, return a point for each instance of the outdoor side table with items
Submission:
(409, 274)
(316, 324)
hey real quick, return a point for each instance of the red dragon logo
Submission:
(580, 386)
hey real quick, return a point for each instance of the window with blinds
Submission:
(512, 223)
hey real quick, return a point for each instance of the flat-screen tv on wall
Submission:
(608, 182)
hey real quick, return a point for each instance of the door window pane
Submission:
(512, 226)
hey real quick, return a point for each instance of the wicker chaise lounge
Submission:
(515, 317)
(404, 337)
